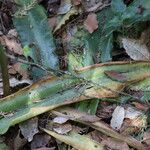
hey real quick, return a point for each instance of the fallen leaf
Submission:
(29, 128)
(65, 6)
(77, 2)
(14, 82)
(132, 113)
(146, 138)
(60, 120)
(12, 33)
(19, 68)
(114, 144)
(135, 49)
(13, 45)
(117, 118)
(19, 142)
(91, 23)
(140, 106)
(89, 118)
(115, 75)
(52, 22)
(40, 141)
(63, 129)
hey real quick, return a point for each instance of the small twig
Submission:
(5, 75)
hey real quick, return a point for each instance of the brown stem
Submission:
(5, 75)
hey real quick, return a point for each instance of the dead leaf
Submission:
(65, 6)
(40, 141)
(114, 144)
(14, 82)
(140, 106)
(52, 22)
(89, 118)
(12, 33)
(136, 49)
(91, 23)
(29, 128)
(77, 2)
(146, 138)
(63, 129)
(132, 113)
(18, 68)
(117, 118)
(13, 45)
(60, 120)
(19, 142)
(115, 75)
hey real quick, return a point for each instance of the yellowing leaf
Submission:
(77, 141)
(66, 17)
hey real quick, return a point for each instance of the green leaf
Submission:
(106, 45)
(35, 34)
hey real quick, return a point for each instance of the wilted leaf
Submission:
(91, 23)
(29, 128)
(117, 118)
(135, 49)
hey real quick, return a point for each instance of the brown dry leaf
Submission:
(140, 106)
(13, 45)
(117, 118)
(17, 68)
(91, 23)
(77, 2)
(52, 22)
(60, 120)
(146, 138)
(136, 49)
(89, 118)
(116, 75)
(19, 142)
(63, 129)
(65, 6)
(132, 113)
(40, 141)
(114, 144)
